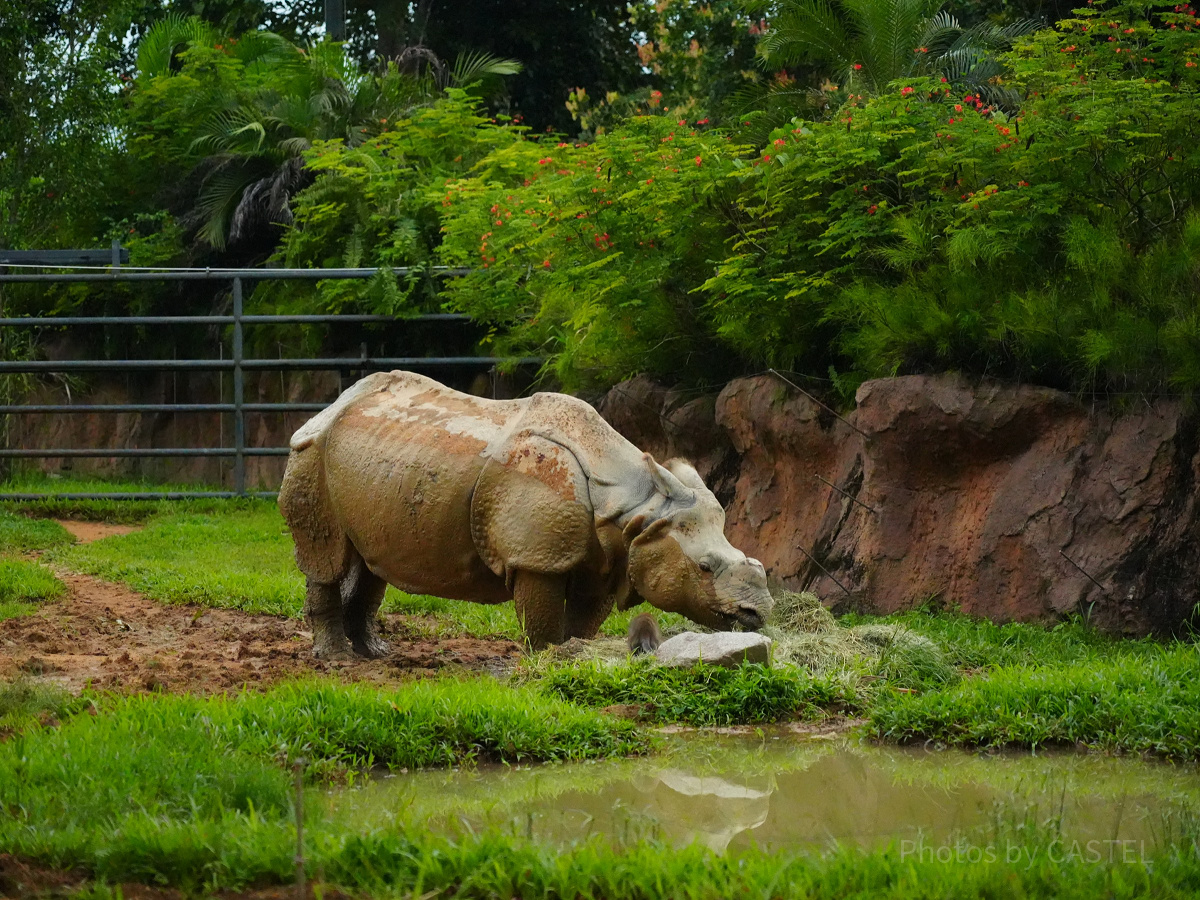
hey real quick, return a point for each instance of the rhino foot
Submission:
(332, 650)
(372, 646)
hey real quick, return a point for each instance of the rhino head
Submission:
(680, 560)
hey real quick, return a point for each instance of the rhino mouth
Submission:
(749, 618)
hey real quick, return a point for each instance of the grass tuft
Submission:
(703, 695)
(21, 534)
(23, 585)
(25, 702)
(1138, 703)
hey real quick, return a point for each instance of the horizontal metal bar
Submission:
(115, 452)
(146, 495)
(222, 275)
(53, 321)
(17, 409)
(353, 319)
(334, 364)
(54, 258)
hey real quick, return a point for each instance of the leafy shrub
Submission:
(919, 230)
(592, 252)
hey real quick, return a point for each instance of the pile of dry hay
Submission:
(807, 636)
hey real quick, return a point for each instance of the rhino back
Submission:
(400, 468)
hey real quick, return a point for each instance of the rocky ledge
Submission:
(1015, 503)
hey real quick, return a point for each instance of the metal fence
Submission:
(237, 363)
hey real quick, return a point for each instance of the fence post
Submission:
(239, 389)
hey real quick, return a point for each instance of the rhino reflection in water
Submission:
(701, 808)
(404, 481)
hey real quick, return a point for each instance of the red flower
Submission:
(871, 211)
(906, 91)
(698, 160)
(779, 142)
(857, 66)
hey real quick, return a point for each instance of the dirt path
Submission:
(110, 637)
(86, 532)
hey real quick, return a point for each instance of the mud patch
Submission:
(87, 532)
(106, 636)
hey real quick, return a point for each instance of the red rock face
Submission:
(995, 500)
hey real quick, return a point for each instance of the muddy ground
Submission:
(21, 879)
(107, 636)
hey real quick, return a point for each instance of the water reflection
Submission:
(731, 793)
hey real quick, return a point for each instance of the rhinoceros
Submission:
(404, 481)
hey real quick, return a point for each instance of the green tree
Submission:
(867, 44)
(237, 116)
(61, 99)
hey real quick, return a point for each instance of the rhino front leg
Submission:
(541, 607)
(586, 612)
(362, 599)
(323, 610)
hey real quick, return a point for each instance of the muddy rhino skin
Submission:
(404, 481)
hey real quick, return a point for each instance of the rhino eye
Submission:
(705, 565)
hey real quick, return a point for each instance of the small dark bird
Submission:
(644, 636)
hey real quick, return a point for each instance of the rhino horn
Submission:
(666, 483)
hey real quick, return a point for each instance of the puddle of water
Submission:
(783, 793)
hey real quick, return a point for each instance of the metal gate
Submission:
(236, 363)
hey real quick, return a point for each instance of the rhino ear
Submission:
(638, 530)
(666, 483)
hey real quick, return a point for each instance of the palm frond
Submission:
(220, 193)
(807, 31)
(472, 67)
(166, 37)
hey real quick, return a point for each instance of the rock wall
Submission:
(1015, 503)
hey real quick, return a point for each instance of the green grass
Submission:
(1145, 702)
(162, 787)
(21, 534)
(196, 794)
(27, 702)
(703, 695)
(978, 644)
(23, 585)
(126, 512)
(240, 558)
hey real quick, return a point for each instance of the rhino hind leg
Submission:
(323, 610)
(362, 595)
(541, 607)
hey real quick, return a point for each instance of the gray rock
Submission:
(725, 648)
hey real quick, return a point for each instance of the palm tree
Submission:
(868, 44)
(252, 139)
